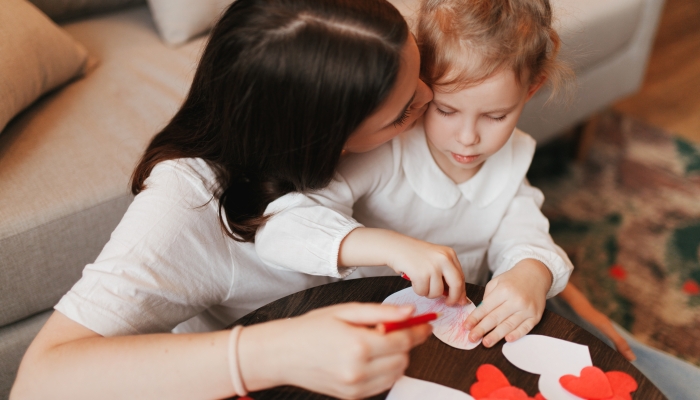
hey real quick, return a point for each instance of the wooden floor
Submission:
(670, 96)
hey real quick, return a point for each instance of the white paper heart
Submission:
(550, 358)
(415, 389)
(449, 327)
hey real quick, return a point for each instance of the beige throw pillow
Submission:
(35, 57)
(60, 10)
(180, 20)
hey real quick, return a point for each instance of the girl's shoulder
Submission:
(523, 141)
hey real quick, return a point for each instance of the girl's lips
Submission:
(464, 159)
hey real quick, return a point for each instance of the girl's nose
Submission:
(468, 136)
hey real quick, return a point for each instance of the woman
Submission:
(282, 89)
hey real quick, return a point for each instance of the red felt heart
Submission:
(593, 384)
(509, 393)
(622, 384)
(539, 396)
(489, 378)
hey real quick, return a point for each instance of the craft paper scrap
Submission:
(449, 327)
(415, 389)
(551, 359)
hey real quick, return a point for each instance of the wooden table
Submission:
(428, 361)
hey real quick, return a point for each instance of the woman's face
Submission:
(406, 102)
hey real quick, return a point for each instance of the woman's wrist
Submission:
(260, 358)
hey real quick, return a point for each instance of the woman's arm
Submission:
(328, 350)
(67, 360)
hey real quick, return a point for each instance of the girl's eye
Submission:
(497, 119)
(444, 113)
(402, 119)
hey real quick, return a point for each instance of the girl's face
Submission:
(467, 126)
(406, 102)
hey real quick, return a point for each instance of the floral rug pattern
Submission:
(629, 218)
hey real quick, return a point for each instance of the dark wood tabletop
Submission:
(428, 361)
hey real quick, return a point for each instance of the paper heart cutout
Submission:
(592, 384)
(449, 327)
(489, 378)
(539, 396)
(509, 393)
(622, 385)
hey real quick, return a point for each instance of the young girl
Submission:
(457, 179)
(281, 88)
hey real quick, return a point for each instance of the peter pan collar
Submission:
(437, 189)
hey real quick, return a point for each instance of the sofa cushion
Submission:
(37, 56)
(180, 20)
(60, 10)
(594, 30)
(14, 341)
(65, 163)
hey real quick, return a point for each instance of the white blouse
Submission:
(492, 221)
(169, 261)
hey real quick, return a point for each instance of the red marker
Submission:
(444, 293)
(387, 327)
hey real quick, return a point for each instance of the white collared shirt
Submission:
(492, 221)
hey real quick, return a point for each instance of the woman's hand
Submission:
(583, 308)
(428, 265)
(513, 304)
(330, 350)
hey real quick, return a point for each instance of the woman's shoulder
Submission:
(184, 174)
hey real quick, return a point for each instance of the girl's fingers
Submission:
(485, 308)
(455, 282)
(436, 286)
(490, 315)
(421, 286)
(496, 325)
(522, 330)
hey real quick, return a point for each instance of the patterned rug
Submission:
(629, 218)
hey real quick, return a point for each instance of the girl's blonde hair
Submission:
(462, 42)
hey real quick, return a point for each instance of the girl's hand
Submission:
(513, 304)
(429, 267)
(330, 350)
(425, 263)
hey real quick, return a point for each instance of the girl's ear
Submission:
(535, 86)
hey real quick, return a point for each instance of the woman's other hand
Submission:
(331, 350)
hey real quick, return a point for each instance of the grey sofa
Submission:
(65, 162)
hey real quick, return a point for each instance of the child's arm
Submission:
(315, 233)
(304, 231)
(67, 360)
(527, 266)
(585, 309)
(425, 263)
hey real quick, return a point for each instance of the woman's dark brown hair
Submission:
(279, 89)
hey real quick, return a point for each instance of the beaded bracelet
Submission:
(234, 367)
